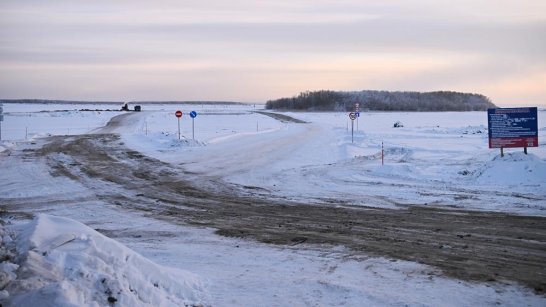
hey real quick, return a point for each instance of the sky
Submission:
(253, 51)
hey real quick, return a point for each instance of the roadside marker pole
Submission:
(382, 154)
(179, 128)
(1, 119)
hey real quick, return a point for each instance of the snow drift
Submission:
(54, 261)
(514, 169)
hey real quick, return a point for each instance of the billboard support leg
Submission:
(525, 150)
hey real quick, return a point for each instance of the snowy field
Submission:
(436, 159)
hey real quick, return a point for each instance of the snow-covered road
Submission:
(316, 162)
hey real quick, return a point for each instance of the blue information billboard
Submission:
(512, 127)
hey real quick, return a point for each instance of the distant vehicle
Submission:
(125, 107)
(137, 108)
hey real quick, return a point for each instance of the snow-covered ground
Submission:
(436, 158)
(439, 159)
(69, 264)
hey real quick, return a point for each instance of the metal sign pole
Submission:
(179, 128)
(352, 130)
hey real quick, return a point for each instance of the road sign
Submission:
(193, 115)
(178, 114)
(512, 127)
(352, 116)
(357, 114)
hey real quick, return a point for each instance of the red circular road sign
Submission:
(178, 113)
(352, 116)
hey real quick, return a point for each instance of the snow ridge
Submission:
(62, 262)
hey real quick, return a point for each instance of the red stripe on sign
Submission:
(513, 142)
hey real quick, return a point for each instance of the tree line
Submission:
(325, 100)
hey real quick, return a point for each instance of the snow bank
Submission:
(6, 145)
(61, 262)
(514, 169)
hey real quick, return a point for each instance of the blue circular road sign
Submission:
(193, 114)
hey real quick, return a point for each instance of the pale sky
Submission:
(252, 51)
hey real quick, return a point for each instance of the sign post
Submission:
(512, 127)
(193, 115)
(178, 114)
(352, 116)
(357, 112)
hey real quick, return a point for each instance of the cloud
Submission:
(289, 46)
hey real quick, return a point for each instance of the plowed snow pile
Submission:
(61, 262)
(514, 169)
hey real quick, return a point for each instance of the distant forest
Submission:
(383, 101)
